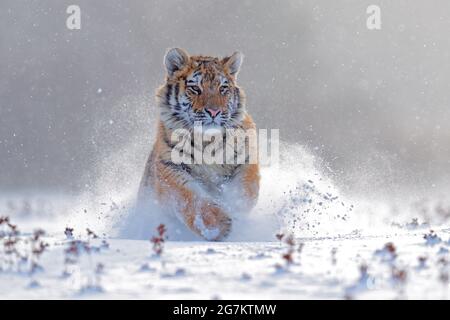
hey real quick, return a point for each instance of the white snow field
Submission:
(303, 240)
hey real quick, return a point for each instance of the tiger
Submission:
(201, 89)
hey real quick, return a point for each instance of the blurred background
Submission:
(373, 106)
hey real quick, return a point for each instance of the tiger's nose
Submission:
(213, 112)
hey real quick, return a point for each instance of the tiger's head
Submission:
(201, 89)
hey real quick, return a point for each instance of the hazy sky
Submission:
(374, 105)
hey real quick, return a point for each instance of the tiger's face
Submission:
(202, 90)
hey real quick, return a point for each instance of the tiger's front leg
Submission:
(241, 193)
(250, 177)
(200, 213)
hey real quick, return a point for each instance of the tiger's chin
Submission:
(211, 129)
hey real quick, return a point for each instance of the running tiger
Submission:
(201, 90)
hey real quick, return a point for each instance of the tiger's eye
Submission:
(195, 89)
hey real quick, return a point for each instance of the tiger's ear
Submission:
(233, 63)
(175, 59)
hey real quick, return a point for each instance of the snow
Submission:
(236, 270)
(332, 245)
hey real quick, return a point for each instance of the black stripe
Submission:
(177, 90)
(168, 93)
(177, 103)
(238, 98)
(179, 167)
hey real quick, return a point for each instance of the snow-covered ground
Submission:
(304, 240)
(324, 268)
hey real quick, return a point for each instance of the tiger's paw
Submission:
(212, 223)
